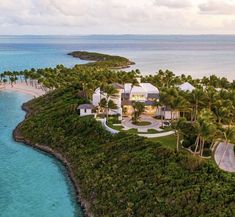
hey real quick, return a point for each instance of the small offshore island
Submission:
(114, 62)
(124, 174)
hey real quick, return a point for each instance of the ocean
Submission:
(199, 56)
(32, 183)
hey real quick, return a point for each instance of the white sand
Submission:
(23, 88)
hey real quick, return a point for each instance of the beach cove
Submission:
(34, 183)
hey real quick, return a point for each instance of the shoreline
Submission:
(57, 155)
(23, 88)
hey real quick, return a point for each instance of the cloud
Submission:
(174, 3)
(115, 16)
(71, 12)
(218, 7)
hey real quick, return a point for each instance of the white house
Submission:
(166, 112)
(187, 87)
(99, 95)
(127, 94)
(144, 92)
(86, 109)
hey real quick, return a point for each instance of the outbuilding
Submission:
(86, 109)
(187, 87)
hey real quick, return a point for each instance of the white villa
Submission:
(127, 94)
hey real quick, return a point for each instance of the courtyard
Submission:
(146, 124)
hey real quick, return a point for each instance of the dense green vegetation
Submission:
(207, 112)
(125, 175)
(102, 60)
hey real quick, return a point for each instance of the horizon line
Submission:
(125, 34)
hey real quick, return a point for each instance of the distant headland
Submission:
(104, 60)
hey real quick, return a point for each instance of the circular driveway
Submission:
(228, 163)
(155, 124)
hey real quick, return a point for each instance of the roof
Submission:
(141, 88)
(187, 87)
(138, 89)
(86, 106)
(149, 88)
(118, 86)
(97, 91)
(153, 95)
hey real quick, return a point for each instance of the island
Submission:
(104, 60)
(124, 174)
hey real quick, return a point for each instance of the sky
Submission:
(78, 17)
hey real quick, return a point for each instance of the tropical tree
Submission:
(179, 126)
(205, 129)
(138, 110)
(196, 99)
(103, 105)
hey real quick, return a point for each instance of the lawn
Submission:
(141, 123)
(119, 128)
(167, 141)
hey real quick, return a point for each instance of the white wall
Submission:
(96, 99)
(138, 96)
(86, 112)
(103, 121)
(174, 114)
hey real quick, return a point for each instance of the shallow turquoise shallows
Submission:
(32, 184)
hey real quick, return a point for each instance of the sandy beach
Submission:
(23, 88)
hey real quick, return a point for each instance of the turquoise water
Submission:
(198, 56)
(32, 184)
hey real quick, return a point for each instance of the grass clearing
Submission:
(167, 141)
(142, 123)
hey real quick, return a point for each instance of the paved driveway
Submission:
(155, 124)
(228, 163)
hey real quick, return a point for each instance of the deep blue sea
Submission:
(195, 55)
(32, 184)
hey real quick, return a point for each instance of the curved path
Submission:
(157, 135)
(228, 163)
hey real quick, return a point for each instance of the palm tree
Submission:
(196, 99)
(103, 105)
(138, 110)
(177, 104)
(205, 129)
(111, 105)
(110, 91)
(178, 127)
